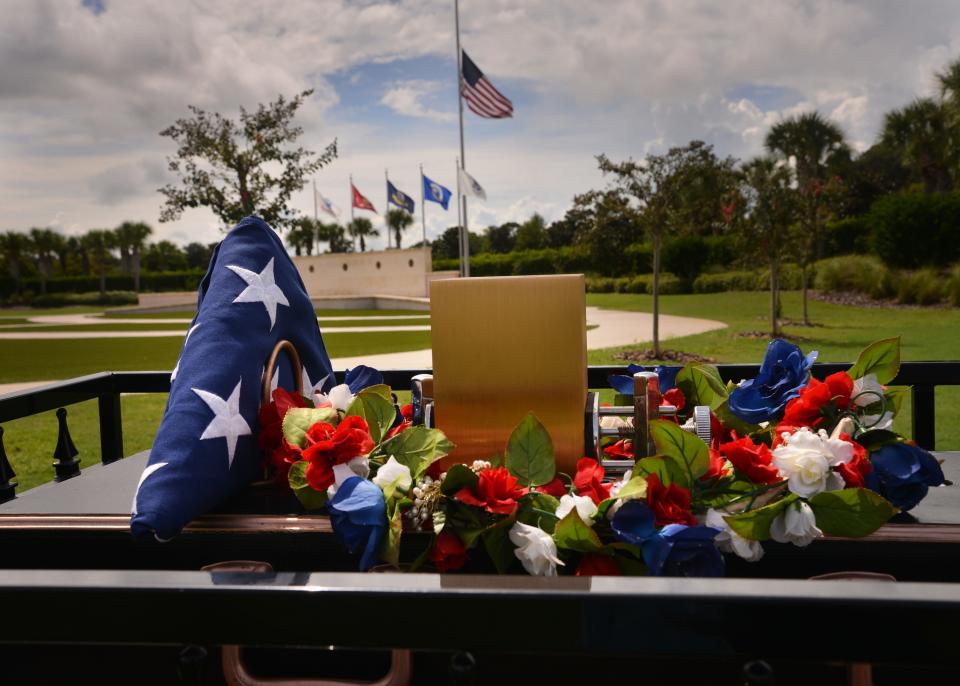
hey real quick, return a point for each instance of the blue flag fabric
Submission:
(206, 448)
(399, 198)
(434, 192)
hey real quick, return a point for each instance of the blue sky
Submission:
(89, 84)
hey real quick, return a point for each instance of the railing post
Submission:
(923, 416)
(65, 461)
(111, 428)
(8, 487)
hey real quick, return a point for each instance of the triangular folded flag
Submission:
(206, 448)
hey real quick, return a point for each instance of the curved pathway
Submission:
(613, 328)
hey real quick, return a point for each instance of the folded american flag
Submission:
(206, 448)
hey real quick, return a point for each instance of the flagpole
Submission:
(423, 209)
(386, 207)
(351, 214)
(316, 217)
(464, 229)
(459, 219)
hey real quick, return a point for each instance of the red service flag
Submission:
(360, 202)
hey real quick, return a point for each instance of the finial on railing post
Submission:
(8, 487)
(65, 460)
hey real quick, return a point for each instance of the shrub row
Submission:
(790, 279)
(866, 274)
(567, 260)
(916, 230)
(64, 299)
(149, 282)
(669, 284)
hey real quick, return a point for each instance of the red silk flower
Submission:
(858, 467)
(805, 409)
(589, 480)
(497, 491)
(327, 447)
(753, 461)
(554, 487)
(272, 414)
(592, 564)
(448, 552)
(670, 504)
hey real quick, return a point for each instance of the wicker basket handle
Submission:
(287, 347)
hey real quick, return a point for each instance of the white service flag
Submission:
(469, 185)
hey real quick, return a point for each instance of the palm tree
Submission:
(14, 248)
(815, 144)
(398, 220)
(99, 242)
(770, 206)
(44, 243)
(335, 235)
(131, 238)
(302, 235)
(361, 228)
(920, 133)
(77, 247)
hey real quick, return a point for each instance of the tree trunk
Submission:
(775, 297)
(85, 263)
(656, 295)
(363, 244)
(125, 259)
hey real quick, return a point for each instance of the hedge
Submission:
(916, 230)
(790, 280)
(64, 299)
(669, 284)
(149, 282)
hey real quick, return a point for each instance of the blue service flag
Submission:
(399, 198)
(434, 192)
(206, 448)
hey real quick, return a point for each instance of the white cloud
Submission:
(406, 98)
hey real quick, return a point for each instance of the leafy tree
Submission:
(398, 220)
(362, 228)
(606, 223)
(302, 235)
(561, 233)
(815, 145)
(874, 173)
(130, 238)
(335, 235)
(15, 247)
(660, 185)
(79, 250)
(198, 255)
(44, 243)
(447, 245)
(100, 242)
(164, 256)
(532, 234)
(769, 209)
(503, 238)
(920, 134)
(231, 167)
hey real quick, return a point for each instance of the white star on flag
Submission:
(143, 477)
(310, 388)
(261, 288)
(227, 421)
(176, 369)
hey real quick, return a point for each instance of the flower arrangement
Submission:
(792, 459)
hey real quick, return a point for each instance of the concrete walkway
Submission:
(614, 328)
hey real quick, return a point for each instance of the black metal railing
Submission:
(107, 387)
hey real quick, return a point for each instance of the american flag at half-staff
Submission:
(482, 98)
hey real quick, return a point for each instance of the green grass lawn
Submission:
(840, 332)
(180, 314)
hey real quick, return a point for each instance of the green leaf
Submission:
(881, 358)
(496, 541)
(571, 533)
(732, 421)
(298, 419)
(308, 497)
(530, 455)
(701, 385)
(538, 509)
(377, 410)
(417, 447)
(635, 489)
(383, 390)
(755, 524)
(683, 447)
(877, 438)
(852, 512)
(458, 476)
(667, 471)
